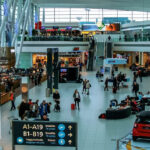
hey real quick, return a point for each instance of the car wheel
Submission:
(134, 138)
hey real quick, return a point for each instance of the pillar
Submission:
(25, 88)
(32, 15)
(13, 15)
(0, 13)
(140, 58)
(49, 69)
(19, 23)
(133, 57)
(7, 6)
(56, 69)
(108, 50)
(23, 33)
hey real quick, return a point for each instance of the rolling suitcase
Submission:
(72, 106)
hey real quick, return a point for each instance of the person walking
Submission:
(56, 96)
(12, 99)
(49, 107)
(76, 97)
(88, 86)
(135, 88)
(84, 86)
(106, 84)
(36, 105)
(43, 109)
(135, 76)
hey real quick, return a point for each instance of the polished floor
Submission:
(93, 133)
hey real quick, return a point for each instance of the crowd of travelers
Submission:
(117, 80)
(32, 109)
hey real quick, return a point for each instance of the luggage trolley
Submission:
(10, 119)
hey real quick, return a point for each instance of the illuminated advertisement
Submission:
(45, 133)
(89, 27)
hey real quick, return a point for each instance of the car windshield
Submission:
(143, 120)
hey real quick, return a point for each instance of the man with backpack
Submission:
(84, 86)
(88, 85)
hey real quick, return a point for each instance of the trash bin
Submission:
(47, 92)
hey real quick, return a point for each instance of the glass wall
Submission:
(88, 15)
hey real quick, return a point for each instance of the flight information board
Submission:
(44, 133)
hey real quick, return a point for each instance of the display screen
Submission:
(107, 69)
(89, 27)
(63, 70)
(44, 133)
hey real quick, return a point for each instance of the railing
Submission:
(54, 38)
(141, 39)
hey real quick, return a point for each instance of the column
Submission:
(23, 33)
(19, 23)
(13, 15)
(133, 57)
(23, 18)
(30, 22)
(49, 71)
(109, 50)
(25, 88)
(32, 15)
(7, 6)
(141, 58)
(0, 12)
(56, 69)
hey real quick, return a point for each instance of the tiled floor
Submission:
(94, 134)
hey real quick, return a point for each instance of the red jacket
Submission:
(12, 96)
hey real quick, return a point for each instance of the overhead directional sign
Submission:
(45, 133)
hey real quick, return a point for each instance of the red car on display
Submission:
(141, 127)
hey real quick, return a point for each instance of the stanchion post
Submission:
(13, 146)
(76, 136)
(117, 144)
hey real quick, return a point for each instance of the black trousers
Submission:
(84, 89)
(12, 105)
(136, 93)
(77, 103)
(106, 87)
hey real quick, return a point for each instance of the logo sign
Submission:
(45, 133)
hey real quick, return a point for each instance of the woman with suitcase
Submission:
(76, 97)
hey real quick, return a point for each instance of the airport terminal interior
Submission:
(74, 75)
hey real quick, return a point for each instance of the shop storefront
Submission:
(71, 63)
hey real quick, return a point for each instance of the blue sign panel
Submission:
(90, 27)
(44, 133)
(115, 61)
(110, 20)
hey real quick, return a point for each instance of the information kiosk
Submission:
(110, 62)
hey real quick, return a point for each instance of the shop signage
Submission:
(115, 61)
(44, 133)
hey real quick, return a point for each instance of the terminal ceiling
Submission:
(135, 5)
